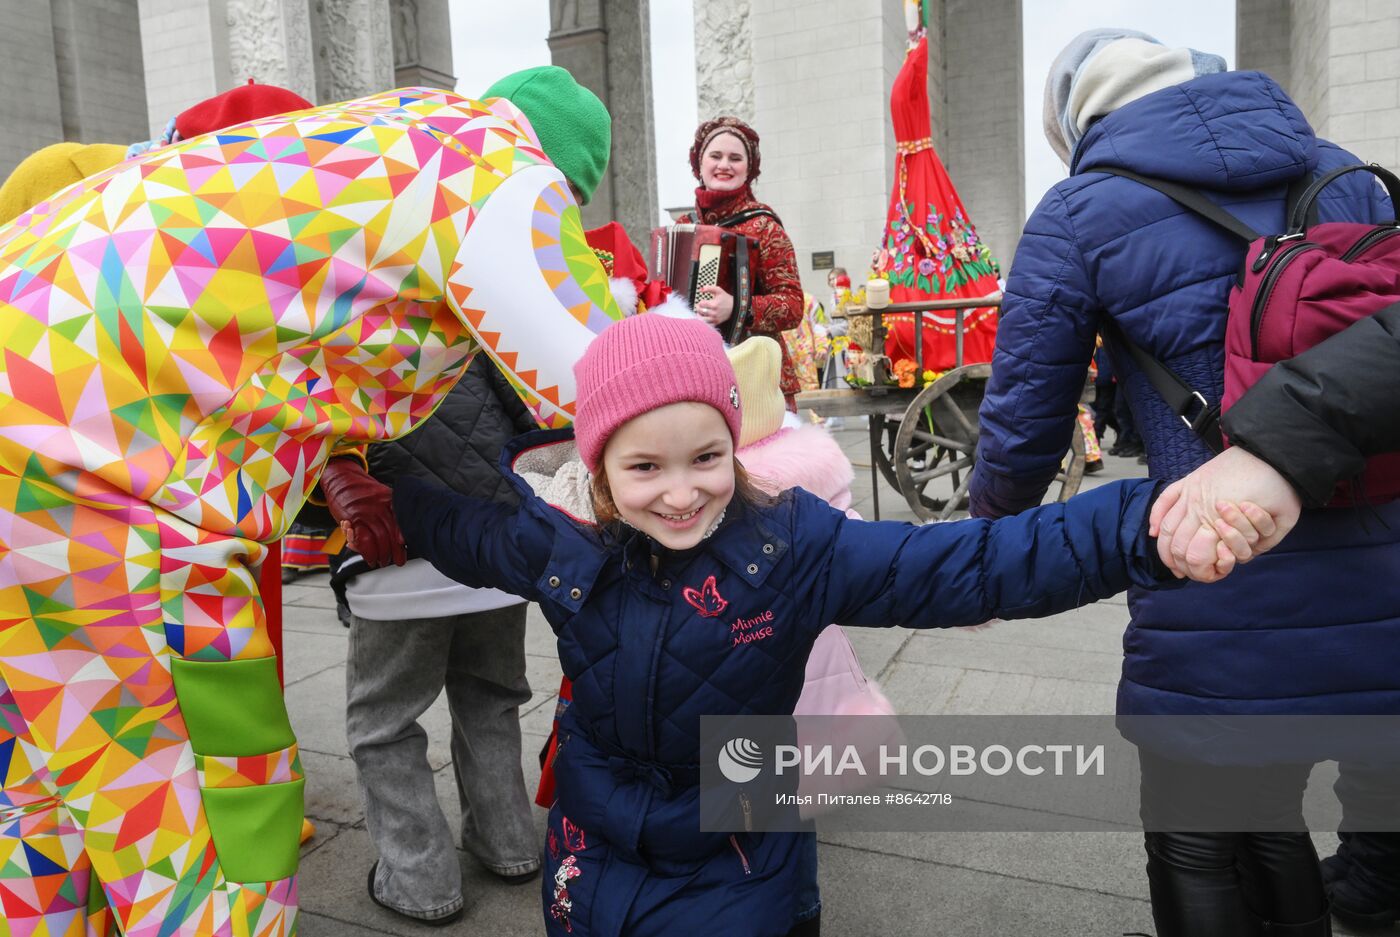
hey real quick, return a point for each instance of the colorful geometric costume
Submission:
(183, 341)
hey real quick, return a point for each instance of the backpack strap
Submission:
(743, 216)
(1304, 212)
(1190, 406)
(1188, 198)
(1296, 190)
(1200, 415)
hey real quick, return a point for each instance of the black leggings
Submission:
(1229, 884)
(1208, 884)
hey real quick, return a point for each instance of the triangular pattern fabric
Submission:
(186, 338)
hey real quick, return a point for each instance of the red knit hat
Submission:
(646, 362)
(713, 128)
(242, 104)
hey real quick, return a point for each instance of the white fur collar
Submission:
(558, 477)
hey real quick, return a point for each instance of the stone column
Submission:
(937, 68)
(1340, 61)
(1263, 38)
(816, 88)
(195, 49)
(724, 62)
(101, 78)
(1309, 53)
(606, 46)
(270, 42)
(985, 140)
(185, 53)
(354, 46)
(422, 31)
(32, 107)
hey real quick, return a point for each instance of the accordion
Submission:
(690, 256)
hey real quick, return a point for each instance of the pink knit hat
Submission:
(645, 362)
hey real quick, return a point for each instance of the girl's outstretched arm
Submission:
(1046, 560)
(479, 543)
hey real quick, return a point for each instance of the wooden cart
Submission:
(923, 439)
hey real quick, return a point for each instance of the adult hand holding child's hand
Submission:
(1228, 511)
(364, 509)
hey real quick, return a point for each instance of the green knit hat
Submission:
(574, 127)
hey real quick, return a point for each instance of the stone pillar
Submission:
(937, 68)
(354, 46)
(195, 49)
(1340, 61)
(724, 60)
(985, 140)
(1309, 52)
(101, 79)
(606, 46)
(270, 42)
(1263, 39)
(32, 106)
(1360, 107)
(185, 52)
(819, 99)
(422, 32)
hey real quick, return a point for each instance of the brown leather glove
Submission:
(364, 508)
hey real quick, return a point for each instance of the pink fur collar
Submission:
(806, 457)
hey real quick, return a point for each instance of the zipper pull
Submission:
(743, 859)
(1271, 244)
(747, 806)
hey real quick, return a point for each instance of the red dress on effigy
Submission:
(930, 249)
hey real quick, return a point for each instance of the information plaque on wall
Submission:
(823, 260)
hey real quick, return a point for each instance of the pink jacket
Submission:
(806, 457)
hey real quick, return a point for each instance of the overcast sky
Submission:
(492, 39)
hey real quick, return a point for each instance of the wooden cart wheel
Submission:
(883, 430)
(936, 445)
(1071, 473)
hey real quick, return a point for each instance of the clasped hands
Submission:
(1228, 511)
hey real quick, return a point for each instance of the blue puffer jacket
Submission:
(1311, 627)
(650, 651)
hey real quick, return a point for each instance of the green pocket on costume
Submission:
(256, 830)
(233, 707)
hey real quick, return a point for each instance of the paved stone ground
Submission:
(971, 884)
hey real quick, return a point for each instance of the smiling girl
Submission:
(643, 541)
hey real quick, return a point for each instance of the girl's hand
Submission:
(349, 530)
(1232, 538)
(716, 306)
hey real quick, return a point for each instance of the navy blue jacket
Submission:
(1311, 627)
(646, 662)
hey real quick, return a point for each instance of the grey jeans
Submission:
(394, 672)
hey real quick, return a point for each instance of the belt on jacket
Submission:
(666, 779)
